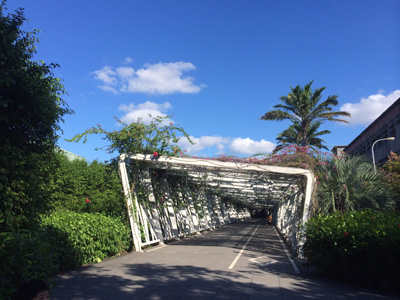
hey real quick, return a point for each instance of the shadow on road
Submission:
(157, 281)
(163, 274)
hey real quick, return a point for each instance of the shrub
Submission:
(92, 236)
(360, 246)
(25, 255)
(391, 171)
(350, 183)
(64, 241)
(72, 182)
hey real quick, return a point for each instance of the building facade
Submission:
(386, 125)
(71, 156)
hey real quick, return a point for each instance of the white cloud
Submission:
(125, 72)
(249, 146)
(368, 109)
(146, 111)
(157, 79)
(245, 146)
(107, 76)
(128, 60)
(202, 143)
(108, 88)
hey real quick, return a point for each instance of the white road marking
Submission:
(242, 250)
(296, 270)
(154, 249)
(268, 262)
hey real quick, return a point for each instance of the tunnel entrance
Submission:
(170, 197)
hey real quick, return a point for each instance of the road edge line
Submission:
(296, 270)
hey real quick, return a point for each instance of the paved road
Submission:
(245, 260)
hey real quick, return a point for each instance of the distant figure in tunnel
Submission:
(270, 220)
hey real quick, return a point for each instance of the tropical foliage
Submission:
(360, 246)
(302, 107)
(350, 183)
(293, 136)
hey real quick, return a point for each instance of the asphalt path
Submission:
(245, 260)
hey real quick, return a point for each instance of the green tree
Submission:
(31, 110)
(391, 171)
(349, 183)
(302, 106)
(293, 136)
(138, 137)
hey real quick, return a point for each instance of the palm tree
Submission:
(302, 107)
(350, 183)
(293, 136)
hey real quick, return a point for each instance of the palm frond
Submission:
(303, 106)
(293, 136)
(278, 115)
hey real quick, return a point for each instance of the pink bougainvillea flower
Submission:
(155, 154)
(162, 200)
(346, 233)
(87, 200)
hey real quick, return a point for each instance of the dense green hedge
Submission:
(35, 181)
(86, 187)
(93, 236)
(64, 240)
(25, 255)
(360, 246)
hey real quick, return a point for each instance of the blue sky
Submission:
(217, 66)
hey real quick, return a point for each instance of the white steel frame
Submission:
(257, 186)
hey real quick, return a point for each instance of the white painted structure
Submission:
(176, 197)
